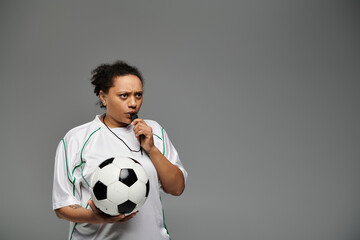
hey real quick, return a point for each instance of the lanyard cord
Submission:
(140, 150)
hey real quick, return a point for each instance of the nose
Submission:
(132, 102)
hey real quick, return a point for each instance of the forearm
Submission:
(76, 213)
(171, 177)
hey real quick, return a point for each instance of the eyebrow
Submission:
(124, 91)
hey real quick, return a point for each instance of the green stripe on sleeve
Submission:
(67, 169)
(81, 156)
(163, 139)
(157, 136)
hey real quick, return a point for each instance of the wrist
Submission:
(153, 150)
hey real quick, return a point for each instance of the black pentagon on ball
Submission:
(135, 161)
(128, 176)
(106, 162)
(100, 190)
(147, 189)
(126, 207)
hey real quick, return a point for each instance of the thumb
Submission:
(92, 205)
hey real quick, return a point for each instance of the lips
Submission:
(128, 114)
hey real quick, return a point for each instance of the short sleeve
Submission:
(64, 183)
(171, 154)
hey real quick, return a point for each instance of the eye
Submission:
(138, 95)
(123, 95)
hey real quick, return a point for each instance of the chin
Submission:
(126, 122)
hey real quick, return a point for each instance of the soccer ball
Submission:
(119, 185)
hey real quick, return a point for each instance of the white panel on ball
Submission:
(107, 207)
(123, 162)
(140, 173)
(137, 192)
(109, 174)
(118, 192)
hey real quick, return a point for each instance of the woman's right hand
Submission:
(103, 218)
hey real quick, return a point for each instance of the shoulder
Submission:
(158, 130)
(152, 123)
(156, 127)
(82, 132)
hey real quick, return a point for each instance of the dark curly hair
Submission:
(103, 76)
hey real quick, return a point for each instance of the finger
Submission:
(141, 129)
(92, 205)
(137, 121)
(129, 217)
(118, 218)
(137, 128)
(138, 125)
(139, 132)
(95, 209)
(142, 126)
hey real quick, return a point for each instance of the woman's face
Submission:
(123, 98)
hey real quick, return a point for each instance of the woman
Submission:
(120, 90)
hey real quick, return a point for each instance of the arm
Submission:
(76, 213)
(171, 177)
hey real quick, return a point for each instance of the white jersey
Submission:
(78, 154)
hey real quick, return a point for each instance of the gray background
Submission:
(261, 99)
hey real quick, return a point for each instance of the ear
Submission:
(103, 97)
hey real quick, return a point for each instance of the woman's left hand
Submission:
(142, 130)
(170, 176)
